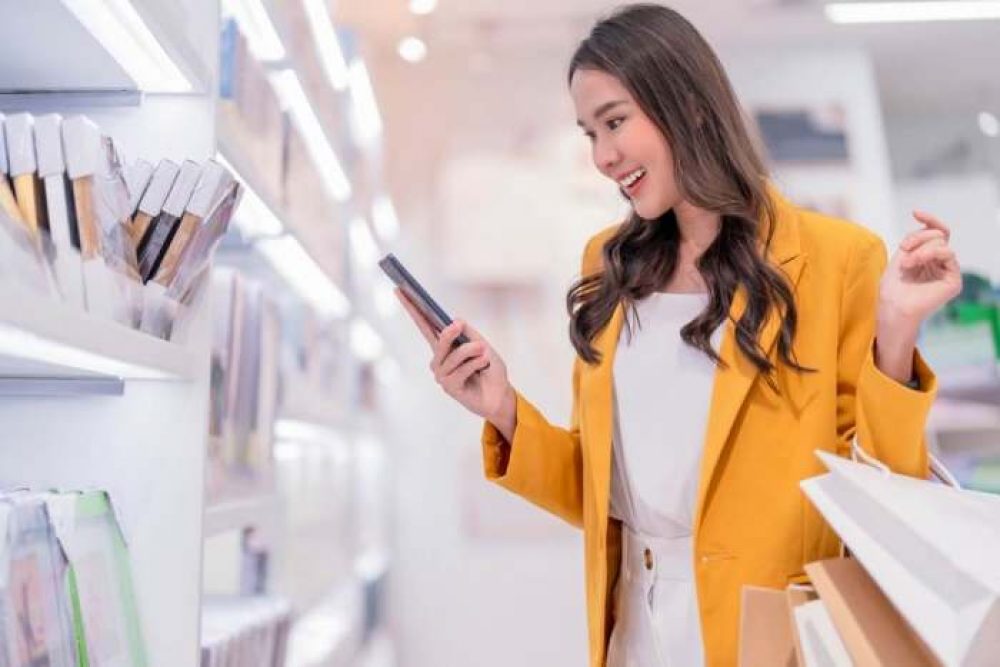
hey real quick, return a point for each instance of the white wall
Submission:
(806, 77)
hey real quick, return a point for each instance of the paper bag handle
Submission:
(937, 468)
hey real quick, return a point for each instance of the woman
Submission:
(754, 334)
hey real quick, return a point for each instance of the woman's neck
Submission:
(698, 229)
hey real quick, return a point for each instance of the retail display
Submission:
(244, 389)
(245, 631)
(81, 229)
(66, 596)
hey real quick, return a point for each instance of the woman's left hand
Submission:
(922, 276)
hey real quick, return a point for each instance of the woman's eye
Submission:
(589, 135)
(615, 122)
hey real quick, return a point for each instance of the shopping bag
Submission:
(821, 645)
(873, 631)
(934, 551)
(765, 629)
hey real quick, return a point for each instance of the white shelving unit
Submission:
(89, 403)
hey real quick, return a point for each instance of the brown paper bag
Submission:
(873, 631)
(766, 636)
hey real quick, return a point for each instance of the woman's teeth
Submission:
(629, 180)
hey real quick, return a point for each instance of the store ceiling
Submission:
(493, 82)
(933, 67)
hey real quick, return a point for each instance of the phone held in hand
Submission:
(417, 295)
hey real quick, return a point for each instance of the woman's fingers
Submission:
(456, 380)
(426, 330)
(921, 236)
(933, 223)
(443, 345)
(458, 356)
(928, 254)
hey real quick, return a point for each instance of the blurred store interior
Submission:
(442, 131)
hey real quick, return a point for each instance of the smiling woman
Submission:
(690, 435)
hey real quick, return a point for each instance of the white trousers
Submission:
(656, 607)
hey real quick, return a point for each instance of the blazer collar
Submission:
(731, 384)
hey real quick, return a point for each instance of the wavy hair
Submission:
(679, 83)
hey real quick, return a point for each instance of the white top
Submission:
(662, 391)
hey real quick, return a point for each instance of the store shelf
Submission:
(236, 514)
(31, 63)
(977, 384)
(330, 632)
(951, 416)
(43, 339)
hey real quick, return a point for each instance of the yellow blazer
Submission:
(752, 524)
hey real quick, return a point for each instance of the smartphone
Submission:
(418, 296)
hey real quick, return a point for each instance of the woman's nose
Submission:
(606, 157)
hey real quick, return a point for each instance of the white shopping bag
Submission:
(933, 549)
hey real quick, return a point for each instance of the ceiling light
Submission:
(386, 303)
(327, 43)
(988, 124)
(907, 12)
(412, 49)
(122, 32)
(421, 7)
(363, 245)
(287, 256)
(365, 342)
(257, 27)
(293, 98)
(365, 120)
(384, 218)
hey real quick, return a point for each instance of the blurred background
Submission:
(442, 131)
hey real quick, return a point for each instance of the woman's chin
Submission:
(646, 211)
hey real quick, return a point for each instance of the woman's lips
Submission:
(634, 188)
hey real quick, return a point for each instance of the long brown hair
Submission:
(678, 82)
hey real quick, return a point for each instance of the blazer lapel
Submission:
(732, 384)
(597, 385)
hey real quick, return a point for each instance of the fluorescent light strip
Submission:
(253, 217)
(366, 122)
(22, 344)
(363, 245)
(422, 7)
(122, 32)
(384, 218)
(256, 25)
(912, 12)
(386, 303)
(989, 124)
(295, 429)
(365, 342)
(293, 97)
(327, 43)
(287, 256)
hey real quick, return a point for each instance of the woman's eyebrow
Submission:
(603, 109)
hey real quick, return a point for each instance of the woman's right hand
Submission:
(472, 373)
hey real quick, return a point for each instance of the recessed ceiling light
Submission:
(989, 124)
(910, 12)
(412, 49)
(422, 6)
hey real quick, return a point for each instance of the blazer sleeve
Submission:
(887, 417)
(544, 463)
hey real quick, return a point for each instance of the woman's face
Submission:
(626, 145)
